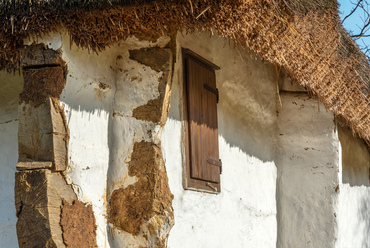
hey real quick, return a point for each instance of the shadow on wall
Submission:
(355, 158)
(247, 87)
(92, 96)
(364, 215)
(88, 98)
(246, 115)
(246, 111)
(255, 139)
(248, 104)
(96, 95)
(10, 88)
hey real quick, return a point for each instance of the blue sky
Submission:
(354, 21)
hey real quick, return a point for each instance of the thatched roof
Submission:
(304, 37)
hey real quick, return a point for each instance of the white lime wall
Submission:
(244, 213)
(102, 133)
(280, 164)
(10, 87)
(308, 173)
(100, 93)
(354, 198)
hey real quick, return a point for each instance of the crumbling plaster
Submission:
(100, 95)
(103, 131)
(267, 191)
(244, 213)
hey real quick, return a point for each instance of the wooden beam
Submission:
(33, 165)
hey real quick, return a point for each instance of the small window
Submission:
(203, 166)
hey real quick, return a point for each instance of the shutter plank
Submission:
(194, 118)
(202, 116)
(212, 105)
(204, 140)
(210, 137)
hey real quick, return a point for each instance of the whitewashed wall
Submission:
(87, 109)
(308, 173)
(262, 146)
(354, 198)
(100, 93)
(10, 87)
(244, 213)
(88, 116)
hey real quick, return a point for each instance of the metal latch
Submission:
(211, 186)
(215, 163)
(212, 90)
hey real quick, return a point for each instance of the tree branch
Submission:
(353, 10)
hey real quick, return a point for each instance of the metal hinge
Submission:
(212, 90)
(215, 163)
(211, 186)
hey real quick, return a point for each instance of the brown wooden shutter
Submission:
(202, 98)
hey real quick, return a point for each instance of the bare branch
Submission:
(361, 9)
(365, 20)
(353, 10)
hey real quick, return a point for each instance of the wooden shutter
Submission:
(202, 97)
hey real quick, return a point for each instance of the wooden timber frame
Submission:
(49, 213)
(189, 182)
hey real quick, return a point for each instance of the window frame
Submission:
(191, 183)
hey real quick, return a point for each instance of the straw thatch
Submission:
(304, 37)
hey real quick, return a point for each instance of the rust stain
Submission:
(101, 91)
(103, 86)
(78, 225)
(337, 189)
(150, 196)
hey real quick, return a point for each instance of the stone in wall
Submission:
(144, 207)
(160, 60)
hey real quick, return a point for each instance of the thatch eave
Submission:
(303, 37)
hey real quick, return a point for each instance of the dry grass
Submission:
(303, 37)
